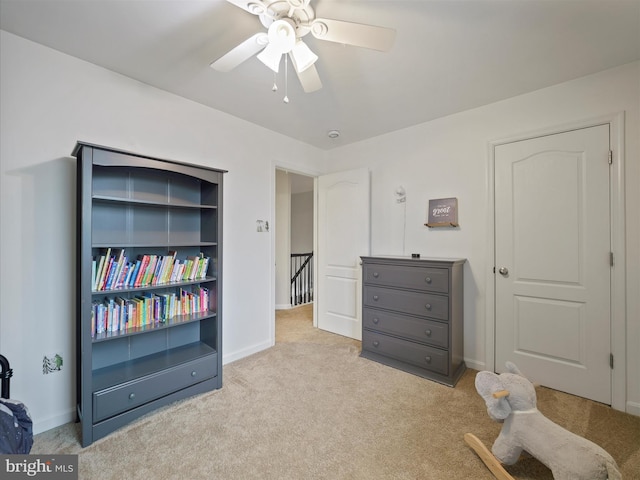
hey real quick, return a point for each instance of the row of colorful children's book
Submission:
(117, 314)
(113, 269)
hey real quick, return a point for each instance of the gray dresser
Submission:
(412, 315)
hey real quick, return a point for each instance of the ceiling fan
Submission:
(287, 22)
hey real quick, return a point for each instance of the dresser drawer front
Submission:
(423, 356)
(418, 278)
(111, 401)
(414, 303)
(412, 328)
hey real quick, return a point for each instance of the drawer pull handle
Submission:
(428, 306)
(132, 396)
(376, 274)
(428, 279)
(376, 343)
(427, 359)
(427, 332)
(375, 298)
(193, 374)
(376, 320)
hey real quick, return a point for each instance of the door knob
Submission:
(503, 271)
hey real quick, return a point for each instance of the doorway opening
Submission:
(294, 250)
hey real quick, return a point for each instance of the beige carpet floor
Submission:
(311, 408)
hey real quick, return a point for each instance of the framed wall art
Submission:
(443, 212)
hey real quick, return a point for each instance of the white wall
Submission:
(48, 101)
(302, 222)
(449, 157)
(283, 240)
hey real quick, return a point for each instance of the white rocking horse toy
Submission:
(511, 399)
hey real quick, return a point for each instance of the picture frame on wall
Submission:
(443, 212)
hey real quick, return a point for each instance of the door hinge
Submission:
(611, 360)
(610, 157)
(611, 258)
(494, 269)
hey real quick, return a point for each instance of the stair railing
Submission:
(301, 278)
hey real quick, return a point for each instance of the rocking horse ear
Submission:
(511, 368)
(488, 383)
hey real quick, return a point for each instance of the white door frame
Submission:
(618, 272)
(278, 165)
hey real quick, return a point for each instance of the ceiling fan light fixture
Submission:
(271, 57)
(282, 35)
(302, 56)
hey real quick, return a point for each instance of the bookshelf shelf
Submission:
(170, 323)
(149, 285)
(155, 287)
(154, 245)
(131, 201)
(132, 370)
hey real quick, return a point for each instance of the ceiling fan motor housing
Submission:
(298, 11)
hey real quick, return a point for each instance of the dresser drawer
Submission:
(418, 278)
(111, 401)
(412, 328)
(414, 303)
(423, 356)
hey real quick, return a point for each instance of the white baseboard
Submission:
(633, 408)
(284, 306)
(245, 352)
(475, 364)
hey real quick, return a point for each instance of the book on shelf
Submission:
(155, 275)
(105, 273)
(144, 262)
(134, 274)
(124, 271)
(204, 268)
(94, 266)
(171, 259)
(175, 271)
(102, 267)
(119, 264)
(195, 268)
(127, 277)
(148, 274)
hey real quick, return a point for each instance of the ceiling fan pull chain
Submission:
(286, 83)
(275, 86)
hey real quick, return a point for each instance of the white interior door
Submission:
(343, 236)
(553, 267)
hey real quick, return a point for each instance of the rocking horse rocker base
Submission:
(487, 457)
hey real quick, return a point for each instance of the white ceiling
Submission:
(449, 55)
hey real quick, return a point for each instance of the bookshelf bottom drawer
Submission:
(120, 398)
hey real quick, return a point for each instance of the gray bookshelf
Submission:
(144, 206)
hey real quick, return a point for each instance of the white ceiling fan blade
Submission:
(239, 54)
(309, 79)
(252, 6)
(356, 34)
